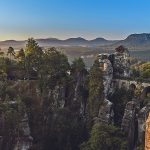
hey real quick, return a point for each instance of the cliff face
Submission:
(28, 118)
(38, 117)
(36, 122)
(15, 131)
(134, 119)
(25, 140)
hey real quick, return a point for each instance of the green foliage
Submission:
(13, 112)
(53, 127)
(95, 89)
(77, 65)
(11, 52)
(32, 49)
(3, 75)
(55, 61)
(65, 131)
(79, 74)
(141, 71)
(21, 58)
(11, 92)
(105, 137)
(120, 98)
(1, 53)
(135, 73)
(33, 56)
(54, 69)
(140, 147)
(3, 86)
(145, 70)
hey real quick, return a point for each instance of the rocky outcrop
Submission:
(14, 134)
(129, 124)
(106, 113)
(80, 90)
(2, 125)
(141, 124)
(147, 134)
(59, 96)
(106, 67)
(24, 141)
(133, 123)
(142, 117)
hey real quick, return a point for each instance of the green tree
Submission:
(145, 70)
(3, 75)
(2, 60)
(95, 89)
(54, 68)
(65, 131)
(77, 65)
(21, 63)
(1, 53)
(33, 56)
(79, 76)
(11, 52)
(21, 55)
(105, 137)
(120, 98)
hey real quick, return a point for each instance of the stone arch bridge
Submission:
(127, 83)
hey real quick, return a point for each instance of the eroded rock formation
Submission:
(106, 113)
(24, 141)
(147, 134)
(16, 135)
(129, 124)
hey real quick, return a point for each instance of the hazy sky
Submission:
(112, 19)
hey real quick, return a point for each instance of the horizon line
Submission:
(59, 38)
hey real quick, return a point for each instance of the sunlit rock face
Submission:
(134, 122)
(142, 117)
(106, 113)
(147, 134)
(114, 65)
(121, 62)
(106, 67)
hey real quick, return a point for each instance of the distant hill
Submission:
(75, 42)
(136, 42)
(13, 43)
(132, 42)
(56, 42)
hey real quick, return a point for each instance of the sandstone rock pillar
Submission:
(147, 134)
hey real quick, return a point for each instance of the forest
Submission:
(47, 103)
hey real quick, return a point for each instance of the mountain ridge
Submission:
(79, 41)
(133, 42)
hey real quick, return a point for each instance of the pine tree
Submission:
(95, 89)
